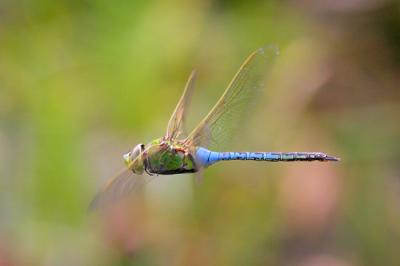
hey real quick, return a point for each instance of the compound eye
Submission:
(136, 151)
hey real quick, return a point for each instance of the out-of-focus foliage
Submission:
(81, 82)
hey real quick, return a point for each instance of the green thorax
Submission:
(168, 157)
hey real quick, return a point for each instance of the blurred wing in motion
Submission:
(176, 123)
(225, 116)
(118, 187)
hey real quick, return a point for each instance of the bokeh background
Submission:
(81, 82)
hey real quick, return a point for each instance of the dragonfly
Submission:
(178, 153)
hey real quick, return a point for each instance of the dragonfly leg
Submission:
(147, 172)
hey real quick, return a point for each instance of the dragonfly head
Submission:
(130, 158)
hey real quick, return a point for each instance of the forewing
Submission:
(118, 187)
(235, 103)
(176, 123)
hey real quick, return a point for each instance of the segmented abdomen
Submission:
(273, 156)
(206, 157)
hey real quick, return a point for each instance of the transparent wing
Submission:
(234, 104)
(176, 123)
(118, 187)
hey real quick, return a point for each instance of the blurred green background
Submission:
(81, 82)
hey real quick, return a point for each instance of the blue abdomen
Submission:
(206, 157)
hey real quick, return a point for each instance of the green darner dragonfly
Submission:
(177, 153)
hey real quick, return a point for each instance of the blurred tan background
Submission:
(81, 82)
